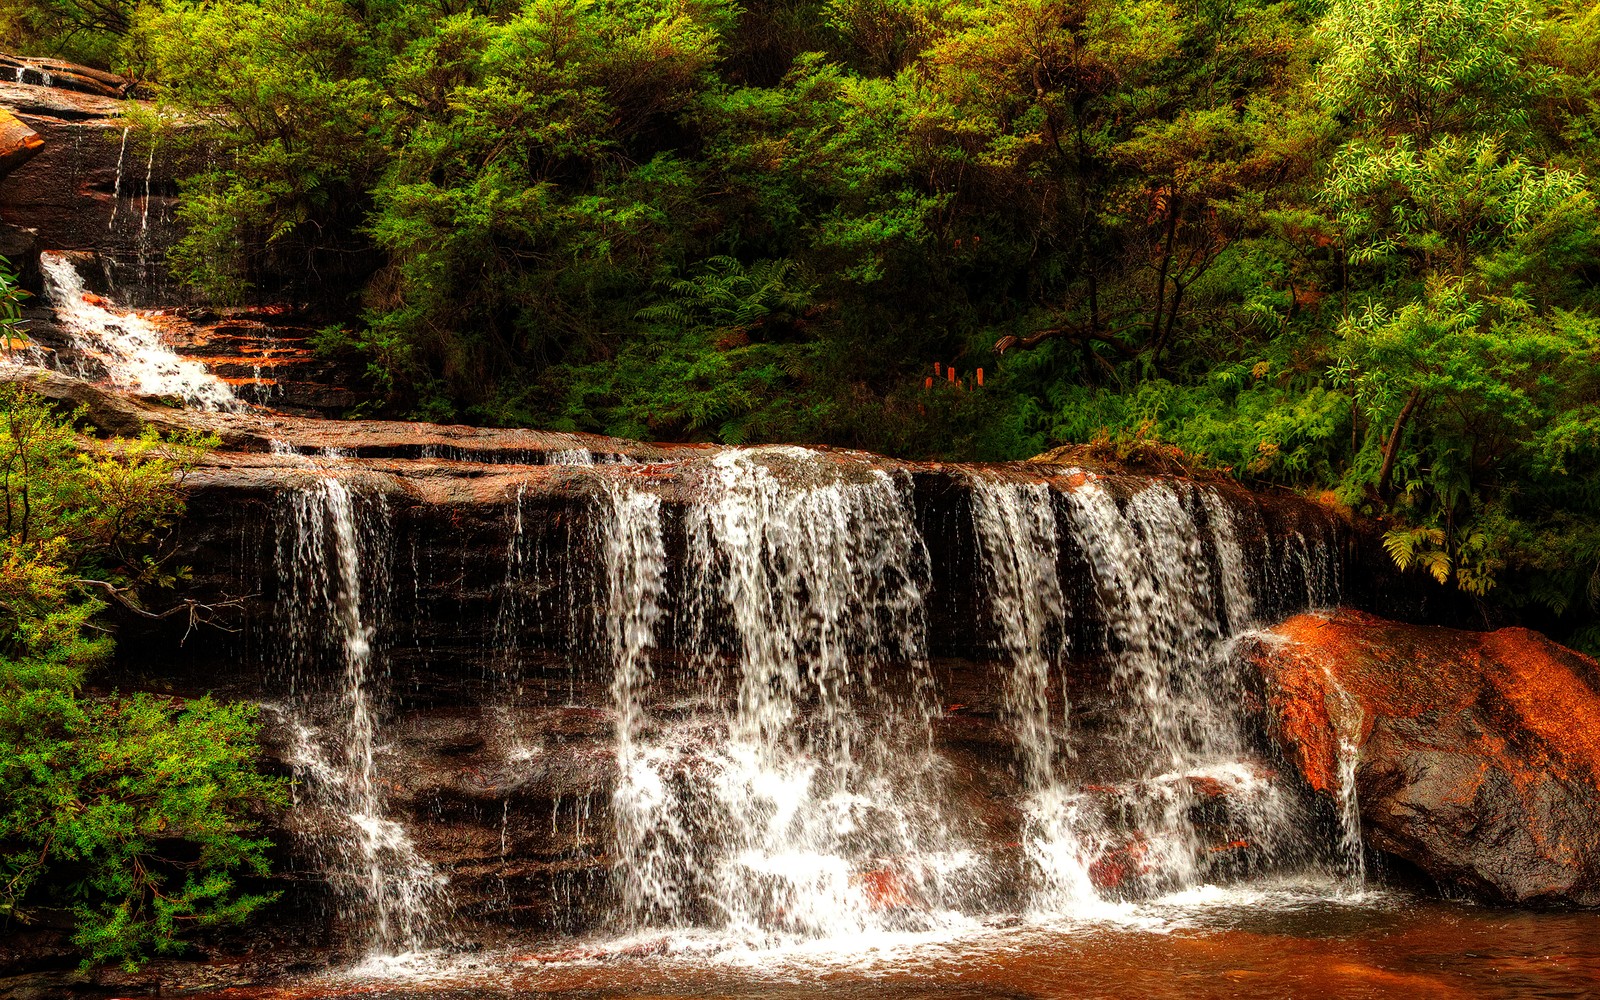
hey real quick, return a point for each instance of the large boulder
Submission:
(1477, 754)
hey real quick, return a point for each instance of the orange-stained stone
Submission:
(1404, 671)
(1478, 754)
(883, 888)
(1119, 865)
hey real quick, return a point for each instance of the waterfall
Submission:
(326, 553)
(116, 187)
(128, 345)
(571, 456)
(510, 618)
(1172, 585)
(1017, 541)
(634, 560)
(1019, 555)
(1347, 717)
(805, 801)
(785, 767)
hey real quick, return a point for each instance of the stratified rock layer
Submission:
(86, 186)
(1479, 753)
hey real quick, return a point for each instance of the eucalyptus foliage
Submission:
(1346, 246)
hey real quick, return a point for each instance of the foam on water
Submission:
(128, 345)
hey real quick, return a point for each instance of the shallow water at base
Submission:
(1204, 943)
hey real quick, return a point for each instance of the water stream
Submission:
(127, 345)
(1183, 798)
(332, 542)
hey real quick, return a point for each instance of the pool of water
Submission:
(1203, 944)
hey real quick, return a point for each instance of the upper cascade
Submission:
(126, 346)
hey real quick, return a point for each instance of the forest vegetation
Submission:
(130, 818)
(1345, 246)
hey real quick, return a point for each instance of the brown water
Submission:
(1391, 948)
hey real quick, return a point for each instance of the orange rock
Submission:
(18, 142)
(883, 888)
(1478, 754)
(1120, 864)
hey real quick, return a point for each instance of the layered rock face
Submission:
(535, 623)
(85, 189)
(88, 212)
(990, 661)
(1478, 754)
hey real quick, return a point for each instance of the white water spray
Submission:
(806, 804)
(127, 344)
(387, 888)
(1172, 585)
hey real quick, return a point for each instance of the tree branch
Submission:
(198, 613)
(1392, 449)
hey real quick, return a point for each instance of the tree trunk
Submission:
(1161, 272)
(1392, 449)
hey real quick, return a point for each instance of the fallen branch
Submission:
(198, 613)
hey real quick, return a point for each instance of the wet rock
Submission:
(63, 75)
(1478, 753)
(88, 186)
(18, 142)
(492, 669)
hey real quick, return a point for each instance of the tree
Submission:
(135, 813)
(1427, 68)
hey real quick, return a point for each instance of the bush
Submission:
(135, 813)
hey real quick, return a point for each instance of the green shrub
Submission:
(134, 813)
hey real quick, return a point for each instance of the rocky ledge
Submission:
(1477, 753)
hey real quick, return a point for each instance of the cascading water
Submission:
(1347, 721)
(116, 186)
(807, 802)
(1172, 586)
(386, 888)
(1017, 542)
(572, 456)
(634, 560)
(784, 767)
(128, 345)
(1019, 552)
